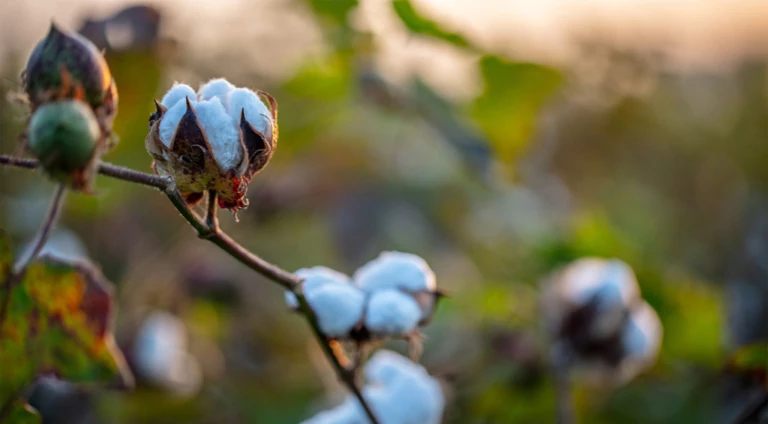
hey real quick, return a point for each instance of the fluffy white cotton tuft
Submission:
(177, 93)
(385, 366)
(405, 271)
(256, 112)
(170, 121)
(313, 278)
(391, 311)
(161, 357)
(222, 134)
(338, 307)
(216, 88)
(642, 334)
(406, 395)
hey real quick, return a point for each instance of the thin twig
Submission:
(212, 233)
(51, 218)
(752, 410)
(114, 171)
(211, 220)
(559, 364)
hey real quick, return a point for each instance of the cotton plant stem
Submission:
(560, 373)
(207, 228)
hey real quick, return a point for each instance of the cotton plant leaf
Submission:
(419, 24)
(56, 321)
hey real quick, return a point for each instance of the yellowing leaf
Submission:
(55, 321)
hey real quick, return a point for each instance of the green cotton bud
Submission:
(63, 136)
(67, 65)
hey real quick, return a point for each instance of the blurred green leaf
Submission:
(424, 26)
(751, 359)
(512, 97)
(56, 320)
(334, 10)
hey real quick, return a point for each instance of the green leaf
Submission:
(56, 321)
(510, 102)
(334, 10)
(424, 26)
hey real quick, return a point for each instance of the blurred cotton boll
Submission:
(314, 278)
(398, 391)
(392, 312)
(599, 323)
(404, 271)
(63, 245)
(161, 357)
(602, 289)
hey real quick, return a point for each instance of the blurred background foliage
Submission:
(496, 167)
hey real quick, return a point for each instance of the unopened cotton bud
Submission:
(399, 270)
(63, 136)
(78, 58)
(338, 308)
(392, 312)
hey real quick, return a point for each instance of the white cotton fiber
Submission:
(391, 312)
(256, 112)
(338, 307)
(405, 271)
(642, 334)
(313, 278)
(223, 136)
(385, 366)
(171, 120)
(159, 345)
(406, 395)
(216, 88)
(176, 93)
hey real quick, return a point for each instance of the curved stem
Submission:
(559, 362)
(208, 229)
(51, 218)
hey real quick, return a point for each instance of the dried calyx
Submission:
(215, 139)
(68, 71)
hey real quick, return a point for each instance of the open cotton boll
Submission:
(216, 88)
(338, 307)
(171, 120)
(385, 366)
(405, 271)
(256, 112)
(223, 135)
(159, 346)
(391, 311)
(313, 278)
(177, 93)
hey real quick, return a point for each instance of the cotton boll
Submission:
(256, 112)
(222, 134)
(159, 344)
(177, 93)
(338, 307)
(385, 366)
(312, 279)
(391, 311)
(216, 88)
(396, 270)
(171, 120)
(63, 245)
